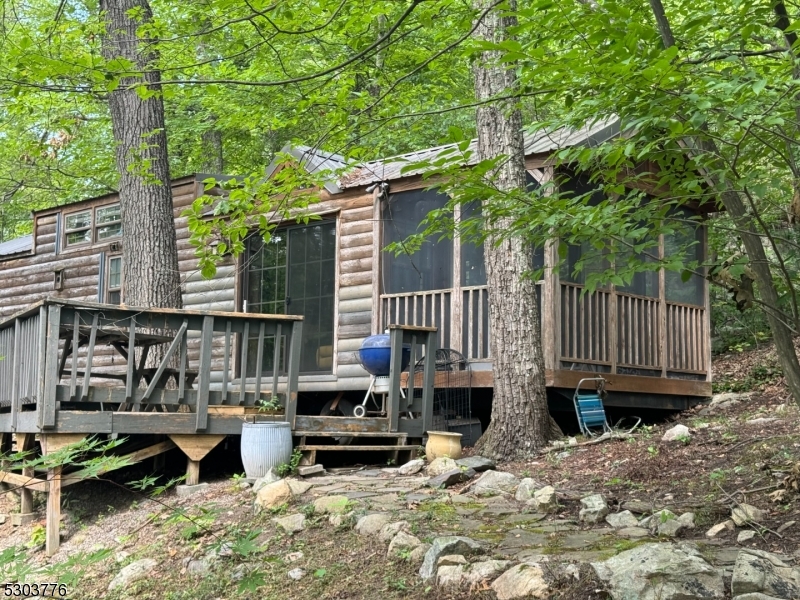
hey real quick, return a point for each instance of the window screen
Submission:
(431, 268)
(687, 240)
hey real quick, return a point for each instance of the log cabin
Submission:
(649, 340)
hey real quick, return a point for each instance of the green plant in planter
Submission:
(272, 405)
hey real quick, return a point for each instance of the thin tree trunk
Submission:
(520, 421)
(150, 254)
(212, 151)
(759, 263)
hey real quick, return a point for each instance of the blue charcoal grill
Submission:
(589, 408)
(375, 355)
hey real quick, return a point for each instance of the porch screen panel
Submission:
(687, 241)
(430, 268)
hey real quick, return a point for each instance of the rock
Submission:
(296, 574)
(670, 528)
(785, 526)
(370, 525)
(633, 532)
(451, 560)
(136, 571)
(298, 487)
(745, 536)
(492, 483)
(402, 542)
(340, 519)
(271, 477)
(418, 553)
(199, 567)
(470, 575)
(331, 505)
(411, 467)
(484, 570)
(594, 509)
(761, 421)
(660, 572)
(637, 506)
(310, 470)
(449, 478)
(720, 528)
(479, 463)
(190, 490)
(679, 433)
(764, 572)
(756, 596)
(728, 398)
(390, 530)
(523, 581)
(441, 465)
(687, 520)
(622, 519)
(273, 495)
(121, 557)
(747, 513)
(291, 523)
(243, 485)
(454, 544)
(2, 519)
(294, 556)
(653, 521)
(526, 489)
(544, 500)
(450, 576)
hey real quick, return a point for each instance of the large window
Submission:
(92, 225)
(294, 273)
(431, 268)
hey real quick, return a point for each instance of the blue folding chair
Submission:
(589, 408)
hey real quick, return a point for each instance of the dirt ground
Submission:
(737, 454)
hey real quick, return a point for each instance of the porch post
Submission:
(662, 310)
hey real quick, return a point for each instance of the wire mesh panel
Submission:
(452, 393)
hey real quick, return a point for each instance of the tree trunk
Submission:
(150, 253)
(757, 256)
(520, 422)
(212, 151)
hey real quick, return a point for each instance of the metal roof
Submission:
(16, 246)
(313, 160)
(535, 143)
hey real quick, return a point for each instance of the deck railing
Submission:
(642, 331)
(100, 363)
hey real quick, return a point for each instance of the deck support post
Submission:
(53, 534)
(25, 442)
(192, 471)
(195, 447)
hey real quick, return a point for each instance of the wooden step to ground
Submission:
(309, 451)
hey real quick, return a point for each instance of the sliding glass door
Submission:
(294, 273)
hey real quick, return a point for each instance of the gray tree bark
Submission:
(149, 249)
(521, 423)
(736, 206)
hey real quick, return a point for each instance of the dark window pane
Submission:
(431, 268)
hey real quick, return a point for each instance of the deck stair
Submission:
(361, 441)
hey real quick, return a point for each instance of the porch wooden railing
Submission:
(687, 338)
(55, 374)
(420, 309)
(585, 322)
(642, 332)
(638, 327)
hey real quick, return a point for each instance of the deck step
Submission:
(375, 434)
(337, 448)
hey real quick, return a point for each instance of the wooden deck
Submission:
(159, 394)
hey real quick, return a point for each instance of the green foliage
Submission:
(291, 467)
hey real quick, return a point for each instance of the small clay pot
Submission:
(443, 443)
